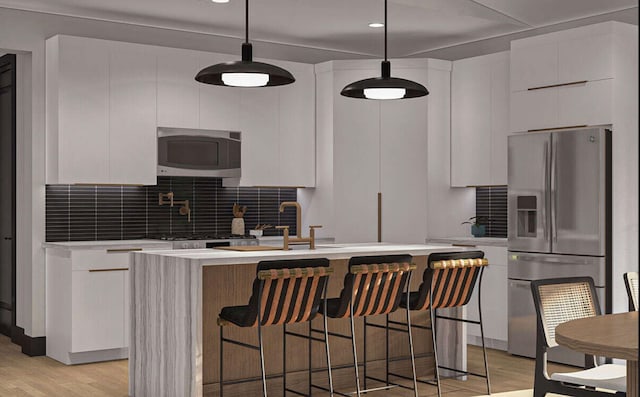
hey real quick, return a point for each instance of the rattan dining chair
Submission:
(284, 292)
(557, 301)
(447, 282)
(631, 282)
(373, 286)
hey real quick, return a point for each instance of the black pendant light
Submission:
(384, 87)
(245, 73)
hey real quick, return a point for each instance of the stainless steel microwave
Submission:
(192, 152)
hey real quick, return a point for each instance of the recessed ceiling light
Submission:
(376, 25)
(220, 1)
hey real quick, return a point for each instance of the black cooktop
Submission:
(196, 236)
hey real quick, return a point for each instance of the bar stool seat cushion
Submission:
(238, 315)
(414, 298)
(335, 308)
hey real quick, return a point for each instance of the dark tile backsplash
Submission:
(491, 203)
(77, 213)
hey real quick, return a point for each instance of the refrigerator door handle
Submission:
(552, 193)
(547, 186)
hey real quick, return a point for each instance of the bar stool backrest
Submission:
(631, 282)
(560, 300)
(451, 276)
(375, 283)
(288, 291)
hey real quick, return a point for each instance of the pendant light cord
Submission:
(246, 21)
(385, 30)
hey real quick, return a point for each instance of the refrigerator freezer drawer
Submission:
(522, 326)
(531, 266)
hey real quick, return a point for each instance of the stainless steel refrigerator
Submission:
(559, 222)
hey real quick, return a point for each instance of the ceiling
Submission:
(415, 26)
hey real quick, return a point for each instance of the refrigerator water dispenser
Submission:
(527, 216)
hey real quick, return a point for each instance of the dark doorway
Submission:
(7, 193)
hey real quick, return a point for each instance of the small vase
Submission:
(478, 230)
(237, 226)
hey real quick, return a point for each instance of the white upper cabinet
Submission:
(568, 56)
(260, 142)
(132, 114)
(533, 64)
(77, 96)
(585, 58)
(101, 112)
(219, 106)
(105, 100)
(480, 120)
(499, 117)
(563, 79)
(596, 97)
(534, 110)
(278, 130)
(178, 91)
(297, 136)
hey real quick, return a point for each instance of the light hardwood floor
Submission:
(21, 375)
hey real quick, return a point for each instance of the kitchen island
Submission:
(175, 298)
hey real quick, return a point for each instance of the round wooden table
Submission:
(609, 335)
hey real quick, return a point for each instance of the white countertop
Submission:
(111, 244)
(207, 257)
(470, 240)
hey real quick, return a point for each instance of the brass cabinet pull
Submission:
(569, 127)
(557, 85)
(379, 217)
(119, 250)
(116, 269)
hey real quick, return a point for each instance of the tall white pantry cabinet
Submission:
(367, 147)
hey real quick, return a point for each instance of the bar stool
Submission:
(373, 286)
(448, 282)
(284, 292)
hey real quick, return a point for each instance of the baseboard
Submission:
(97, 356)
(30, 346)
(488, 342)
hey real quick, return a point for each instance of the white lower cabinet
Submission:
(98, 310)
(87, 310)
(493, 300)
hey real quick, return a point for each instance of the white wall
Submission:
(625, 160)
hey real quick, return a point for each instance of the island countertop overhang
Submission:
(213, 257)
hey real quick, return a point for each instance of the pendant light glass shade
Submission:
(384, 87)
(245, 73)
